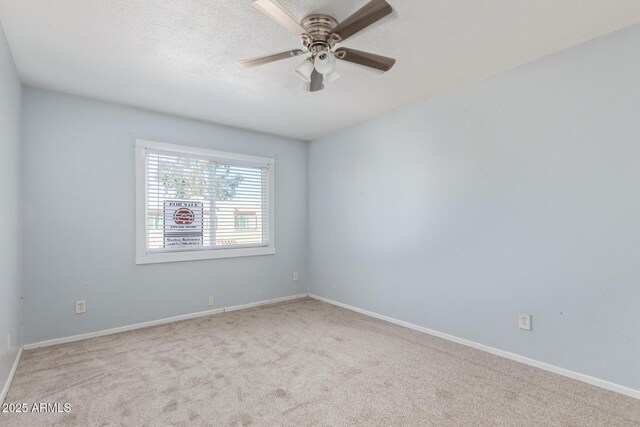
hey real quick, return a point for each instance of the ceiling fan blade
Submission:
(279, 14)
(367, 59)
(254, 62)
(367, 15)
(317, 82)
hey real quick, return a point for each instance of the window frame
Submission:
(145, 257)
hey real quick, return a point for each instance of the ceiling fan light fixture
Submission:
(325, 62)
(304, 70)
(331, 77)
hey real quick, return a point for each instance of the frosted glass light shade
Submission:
(304, 70)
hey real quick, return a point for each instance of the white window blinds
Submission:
(201, 202)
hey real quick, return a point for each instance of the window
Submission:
(194, 203)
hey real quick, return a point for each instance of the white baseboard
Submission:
(518, 358)
(271, 301)
(142, 325)
(12, 374)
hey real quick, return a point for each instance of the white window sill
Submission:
(159, 257)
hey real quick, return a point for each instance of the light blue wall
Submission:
(518, 194)
(10, 291)
(79, 204)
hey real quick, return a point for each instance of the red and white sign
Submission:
(183, 224)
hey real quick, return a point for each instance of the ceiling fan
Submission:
(319, 34)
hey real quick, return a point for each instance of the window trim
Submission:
(144, 257)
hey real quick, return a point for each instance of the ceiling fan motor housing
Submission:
(319, 27)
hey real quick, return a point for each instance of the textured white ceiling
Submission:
(178, 56)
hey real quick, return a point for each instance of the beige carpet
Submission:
(298, 363)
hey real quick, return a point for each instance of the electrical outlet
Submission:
(524, 322)
(211, 304)
(81, 306)
(296, 276)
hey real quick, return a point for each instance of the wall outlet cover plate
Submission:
(524, 322)
(81, 306)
